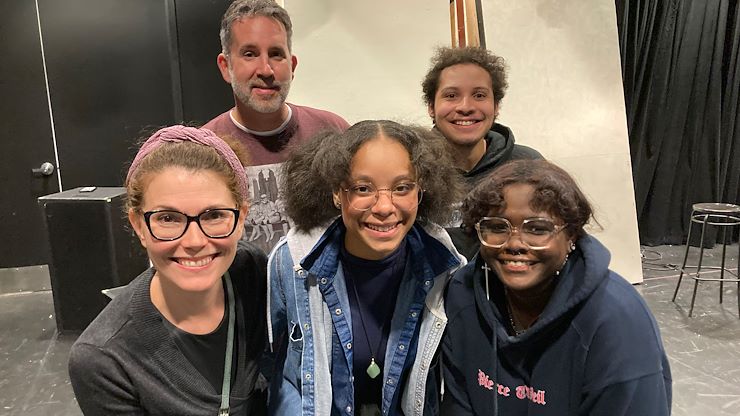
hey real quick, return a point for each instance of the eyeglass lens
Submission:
(170, 225)
(536, 232)
(403, 195)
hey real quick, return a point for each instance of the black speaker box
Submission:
(92, 248)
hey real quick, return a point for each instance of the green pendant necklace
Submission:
(373, 370)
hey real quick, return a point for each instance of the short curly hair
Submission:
(316, 169)
(555, 192)
(446, 57)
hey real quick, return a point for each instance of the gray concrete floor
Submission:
(704, 351)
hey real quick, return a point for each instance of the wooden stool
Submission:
(720, 215)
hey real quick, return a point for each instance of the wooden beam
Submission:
(481, 29)
(471, 23)
(453, 25)
(460, 14)
(466, 24)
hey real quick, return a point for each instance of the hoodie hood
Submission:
(587, 268)
(499, 148)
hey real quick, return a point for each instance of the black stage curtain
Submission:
(681, 74)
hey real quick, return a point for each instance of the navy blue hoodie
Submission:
(595, 349)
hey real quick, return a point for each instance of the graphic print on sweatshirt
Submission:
(520, 392)
(267, 220)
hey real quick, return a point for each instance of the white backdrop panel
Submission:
(565, 99)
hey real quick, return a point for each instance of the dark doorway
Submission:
(109, 77)
(26, 137)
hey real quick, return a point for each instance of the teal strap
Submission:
(226, 386)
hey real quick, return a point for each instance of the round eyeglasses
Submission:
(405, 195)
(535, 233)
(169, 225)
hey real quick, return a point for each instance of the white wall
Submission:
(366, 60)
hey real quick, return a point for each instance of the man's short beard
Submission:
(241, 91)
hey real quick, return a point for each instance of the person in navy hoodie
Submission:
(538, 324)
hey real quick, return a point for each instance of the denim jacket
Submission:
(310, 322)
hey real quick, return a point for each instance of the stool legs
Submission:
(698, 267)
(722, 270)
(685, 256)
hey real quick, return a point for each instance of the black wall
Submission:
(204, 92)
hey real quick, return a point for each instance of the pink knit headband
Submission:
(205, 137)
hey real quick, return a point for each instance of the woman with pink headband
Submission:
(186, 336)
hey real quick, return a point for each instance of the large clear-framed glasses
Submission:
(535, 233)
(168, 225)
(404, 195)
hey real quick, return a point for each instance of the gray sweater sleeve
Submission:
(100, 384)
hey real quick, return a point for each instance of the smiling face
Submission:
(464, 109)
(382, 163)
(259, 66)
(521, 270)
(194, 262)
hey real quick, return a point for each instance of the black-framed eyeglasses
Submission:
(169, 225)
(535, 233)
(404, 195)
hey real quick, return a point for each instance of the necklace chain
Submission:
(517, 332)
(373, 369)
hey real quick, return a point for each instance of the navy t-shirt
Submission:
(376, 283)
